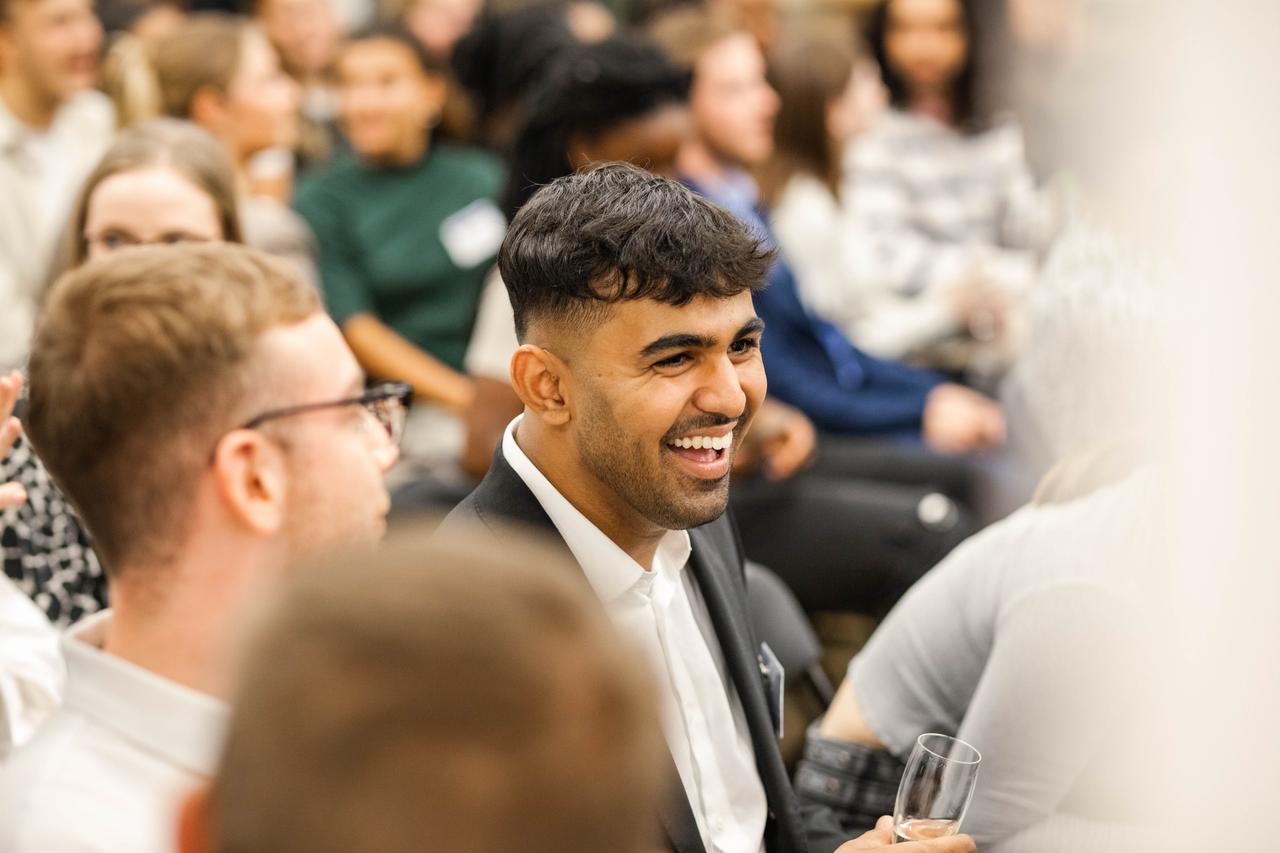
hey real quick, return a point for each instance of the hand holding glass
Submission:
(936, 788)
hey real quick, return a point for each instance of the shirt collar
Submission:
(610, 570)
(77, 117)
(177, 723)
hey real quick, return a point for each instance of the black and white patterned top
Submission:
(46, 550)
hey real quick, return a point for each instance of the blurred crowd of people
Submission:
(868, 201)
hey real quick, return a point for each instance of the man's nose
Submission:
(721, 392)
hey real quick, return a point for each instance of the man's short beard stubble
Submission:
(318, 522)
(619, 461)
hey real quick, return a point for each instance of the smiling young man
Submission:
(211, 426)
(640, 373)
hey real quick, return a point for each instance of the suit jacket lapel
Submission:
(503, 497)
(713, 546)
(727, 608)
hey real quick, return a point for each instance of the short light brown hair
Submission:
(205, 51)
(686, 32)
(441, 695)
(140, 362)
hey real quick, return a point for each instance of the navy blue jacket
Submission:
(810, 363)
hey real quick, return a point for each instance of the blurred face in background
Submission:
(589, 21)
(261, 101)
(157, 22)
(154, 204)
(52, 46)
(439, 24)
(388, 100)
(733, 105)
(305, 32)
(855, 109)
(650, 141)
(927, 43)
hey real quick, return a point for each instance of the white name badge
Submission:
(473, 234)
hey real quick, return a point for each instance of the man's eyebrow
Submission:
(688, 340)
(680, 340)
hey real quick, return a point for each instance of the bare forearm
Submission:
(844, 720)
(383, 352)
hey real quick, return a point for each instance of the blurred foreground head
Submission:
(1095, 319)
(437, 696)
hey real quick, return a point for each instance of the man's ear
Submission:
(195, 822)
(539, 380)
(251, 477)
(209, 109)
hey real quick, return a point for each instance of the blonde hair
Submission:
(181, 146)
(443, 694)
(141, 361)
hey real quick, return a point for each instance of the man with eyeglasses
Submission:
(211, 426)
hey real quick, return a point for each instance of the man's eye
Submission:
(677, 360)
(744, 346)
(116, 240)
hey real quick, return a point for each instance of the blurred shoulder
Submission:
(805, 209)
(80, 787)
(48, 801)
(476, 166)
(93, 110)
(339, 174)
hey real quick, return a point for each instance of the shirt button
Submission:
(717, 824)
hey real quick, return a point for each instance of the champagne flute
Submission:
(935, 789)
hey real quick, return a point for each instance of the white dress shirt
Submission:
(40, 172)
(661, 611)
(31, 671)
(110, 768)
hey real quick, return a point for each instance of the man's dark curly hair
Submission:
(616, 233)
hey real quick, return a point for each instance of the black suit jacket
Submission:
(717, 565)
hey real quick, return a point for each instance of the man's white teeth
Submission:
(708, 442)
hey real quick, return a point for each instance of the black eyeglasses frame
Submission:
(400, 391)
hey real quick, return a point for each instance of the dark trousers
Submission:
(855, 530)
